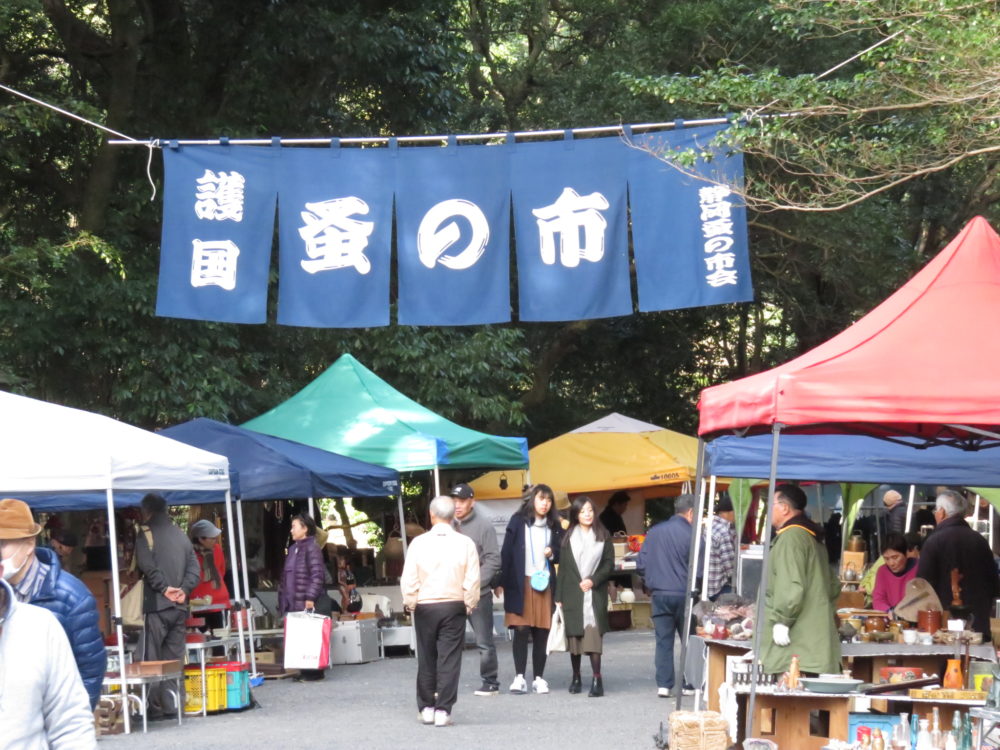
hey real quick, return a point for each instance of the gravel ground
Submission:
(373, 706)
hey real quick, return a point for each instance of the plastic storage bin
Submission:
(237, 685)
(215, 683)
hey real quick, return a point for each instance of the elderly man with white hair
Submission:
(955, 546)
(896, 516)
(440, 586)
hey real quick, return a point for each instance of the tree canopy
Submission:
(901, 141)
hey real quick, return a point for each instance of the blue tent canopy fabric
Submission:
(852, 458)
(268, 467)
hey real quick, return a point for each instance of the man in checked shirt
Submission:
(722, 562)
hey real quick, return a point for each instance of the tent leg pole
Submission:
(312, 509)
(692, 569)
(117, 619)
(909, 507)
(246, 582)
(759, 618)
(236, 578)
(402, 518)
(437, 481)
(710, 516)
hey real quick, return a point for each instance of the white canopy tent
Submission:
(58, 458)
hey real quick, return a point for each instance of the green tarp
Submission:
(351, 411)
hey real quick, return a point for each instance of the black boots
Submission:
(596, 688)
(575, 685)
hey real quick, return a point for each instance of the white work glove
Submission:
(780, 635)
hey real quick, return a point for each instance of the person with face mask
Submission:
(36, 576)
(43, 703)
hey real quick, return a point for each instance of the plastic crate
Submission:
(237, 685)
(885, 722)
(215, 683)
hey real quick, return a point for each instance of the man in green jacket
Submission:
(801, 592)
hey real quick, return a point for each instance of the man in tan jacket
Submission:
(440, 586)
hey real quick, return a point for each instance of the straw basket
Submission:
(698, 730)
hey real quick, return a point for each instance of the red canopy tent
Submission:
(922, 363)
(918, 365)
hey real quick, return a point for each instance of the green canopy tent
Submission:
(351, 411)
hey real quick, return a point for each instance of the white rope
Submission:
(149, 171)
(754, 113)
(67, 113)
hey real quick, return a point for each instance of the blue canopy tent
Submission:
(268, 467)
(852, 458)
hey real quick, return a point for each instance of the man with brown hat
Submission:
(36, 576)
(42, 699)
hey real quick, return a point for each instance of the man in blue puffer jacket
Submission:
(37, 577)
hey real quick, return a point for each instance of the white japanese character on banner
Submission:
(713, 194)
(570, 214)
(715, 210)
(435, 237)
(715, 227)
(213, 263)
(719, 261)
(722, 277)
(333, 240)
(718, 244)
(219, 196)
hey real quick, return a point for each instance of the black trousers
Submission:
(440, 632)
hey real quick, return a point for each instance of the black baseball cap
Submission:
(462, 491)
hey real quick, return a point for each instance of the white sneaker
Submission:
(442, 718)
(687, 691)
(540, 686)
(427, 715)
(519, 686)
(663, 692)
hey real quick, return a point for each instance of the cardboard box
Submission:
(266, 657)
(140, 668)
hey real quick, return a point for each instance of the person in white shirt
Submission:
(43, 704)
(440, 585)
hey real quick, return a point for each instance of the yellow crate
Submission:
(215, 683)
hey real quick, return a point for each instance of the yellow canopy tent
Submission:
(613, 453)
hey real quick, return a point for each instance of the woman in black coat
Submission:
(588, 558)
(530, 550)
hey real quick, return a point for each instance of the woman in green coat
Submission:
(586, 562)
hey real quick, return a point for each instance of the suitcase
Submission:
(354, 642)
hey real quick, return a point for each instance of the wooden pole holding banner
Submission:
(117, 619)
(758, 625)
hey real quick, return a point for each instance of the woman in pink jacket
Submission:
(891, 578)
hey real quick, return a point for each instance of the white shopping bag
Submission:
(557, 633)
(307, 641)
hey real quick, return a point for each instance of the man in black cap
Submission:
(480, 530)
(722, 560)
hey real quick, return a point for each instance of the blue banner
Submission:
(218, 224)
(570, 229)
(335, 234)
(453, 235)
(689, 227)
